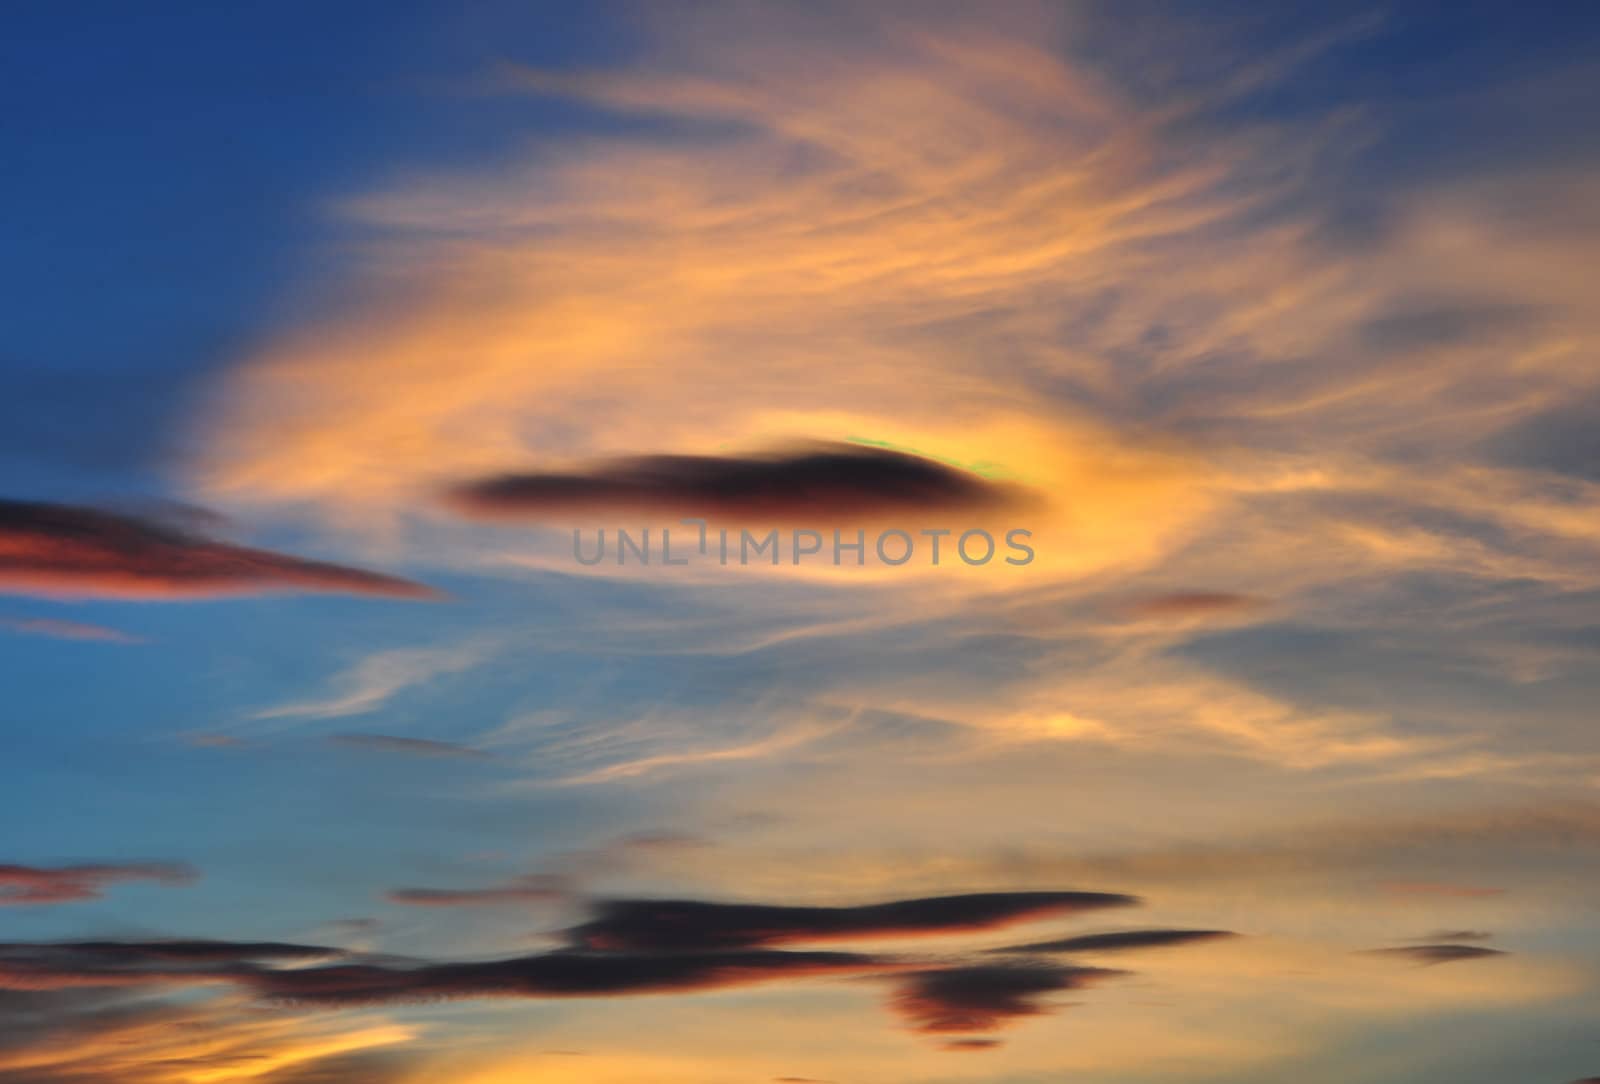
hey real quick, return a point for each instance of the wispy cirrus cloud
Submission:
(1005, 243)
(67, 1036)
(417, 747)
(375, 679)
(58, 629)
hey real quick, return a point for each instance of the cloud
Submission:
(175, 951)
(1439, 954)
(1190, 604)
(828, 485)
(58, 549)
(214, 741)
(985, 997)
(653, 925)
(551, 975)
(971, 1045)
(1115, 942)
(1456, 935)
(373, 681)
(631, 947)
(1439, 888)
(382, 1066)
(894, 291)
(534, 888)
(66, 630)
(1389, 848)
(423, 747)
(985, 243)
(287, 973)
(70, 965)
(563, 872)
(34, 886)
(71, 1036)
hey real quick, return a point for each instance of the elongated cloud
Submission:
(551, 975)
(417, 747)
(58, 549)
(274, 971)
(1440, 954)
(1117, 942)
(65, 630)
(87, 965)
(654, 925)
(833, 484)
(1190, 604)
(985, 997)
(631, 947)
(1440, 888)
(72, 1036)
(33, 885)
(535, 888)
(175, 951)
(374, 680)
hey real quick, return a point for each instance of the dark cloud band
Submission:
(987, 996)
(1117, 942)
(57, 549)
(682, 924)
(835, 483)
(550, 975)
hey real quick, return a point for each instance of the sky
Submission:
(711, 543)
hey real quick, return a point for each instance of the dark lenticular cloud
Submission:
(1439, 954)
(971, 1045)
(835, 483)
(177, 951)
(550, 975)
(36, 886)
(657, 925)
(985, 996)
(1116, 942)
(57, 549)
